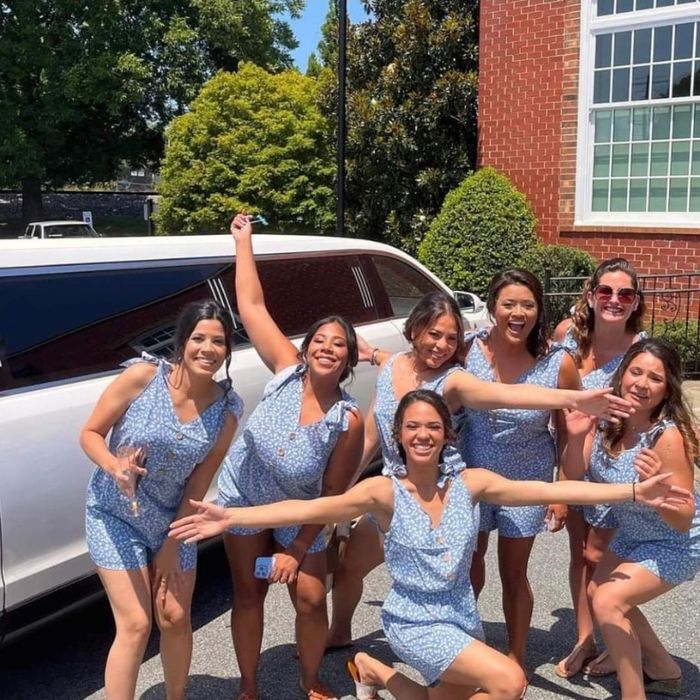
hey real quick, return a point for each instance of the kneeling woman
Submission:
(429, 616)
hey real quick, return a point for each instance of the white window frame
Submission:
(592, 26)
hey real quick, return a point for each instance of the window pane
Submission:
(605, 7)
(678, 194)
(621, 85)
(603, 125)
(659, 158)
(640, 159)
(681, 121)
(621, 125)
(695, 167)
(642, 46)
(682, 73)
(683, 45)
(644, 4)
(662, 43)
(696, 81)
(623, 48)
(640, 83)
(603, 51)
(625, 6)
(618, 195)
(620, 160)
(403, 283)
(601, 161)
(680, 157)
(696, 122)
(664, 3)
(658, 189)
(640, 124)
(695, 194)
(661, 124)
(601, 86)
(697, 43)
(600, 195)
(661, 80)
(638, 195)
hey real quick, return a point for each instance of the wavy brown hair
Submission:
(583, 320)
(674, 405)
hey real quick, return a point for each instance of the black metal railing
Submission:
(673, 309)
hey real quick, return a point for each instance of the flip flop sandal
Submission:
(578, 653)
(592, 672)
(363, 691)
(673, 687)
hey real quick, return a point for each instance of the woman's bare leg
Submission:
(129, 594)
(477, 573)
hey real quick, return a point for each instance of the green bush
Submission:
(485, 225)
(686, 339)
(561, 261)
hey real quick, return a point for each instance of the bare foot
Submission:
(578, 657)
(602, 665)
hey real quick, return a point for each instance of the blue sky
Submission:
(308, 27)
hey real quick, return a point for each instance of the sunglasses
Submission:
(625, 295)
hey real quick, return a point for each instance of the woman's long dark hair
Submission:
(536, 343)
(187, 320)
(350, 338)
(673, 406)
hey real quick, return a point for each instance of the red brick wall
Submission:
(528, 111)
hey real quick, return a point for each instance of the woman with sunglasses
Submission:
(607, 320)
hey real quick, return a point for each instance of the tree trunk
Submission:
(32, 206)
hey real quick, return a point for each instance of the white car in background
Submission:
(474, 311)
(59, 229)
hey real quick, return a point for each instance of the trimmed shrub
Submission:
(685, 340)
(485, 225)
(561, 261)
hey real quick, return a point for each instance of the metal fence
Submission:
(673, 309)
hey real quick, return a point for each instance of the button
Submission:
(179, 436)
(440, 539)
(281, 452)
(446, 557)
(450, 577)
(292, 436)
(170, 456)
(160, 472)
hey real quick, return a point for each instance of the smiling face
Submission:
(644, 382)
(515, 313)
(437, 343)
(205, 349)
(422, 434)
(327, 353)
(613, 308)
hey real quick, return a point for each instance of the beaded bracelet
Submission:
(373, 356)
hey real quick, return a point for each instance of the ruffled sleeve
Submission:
(234, 404)
(568, 342)
(148, 358)
(337, 420)
(480, 333)
(654, 433)
(452, 464)
(281, 379)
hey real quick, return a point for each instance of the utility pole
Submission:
(342, 43)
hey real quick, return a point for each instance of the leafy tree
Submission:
(412, 84)
(485, 225)
(251, 140)
(85, 85)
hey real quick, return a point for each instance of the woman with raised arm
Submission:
(171, 425)
(303, 440)
(436, 334)
(652, 551)
(517, 444)
(430, 523)
(607, 320)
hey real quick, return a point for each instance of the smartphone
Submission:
(263, 567)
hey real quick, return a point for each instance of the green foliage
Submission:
(685, 337)
(251, 140)
(560, 261)
(86, 85)
(485, 225)
(411, 112)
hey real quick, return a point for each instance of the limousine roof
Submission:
(39, 253)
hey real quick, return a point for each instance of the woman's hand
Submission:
(209, 521)
(556, 517)
(128, 470)
(647, 463)
(364, 349)
(602, 404)
(286, 566)
(241, 226)
(167, 574)
(656, 493)
(578, 423)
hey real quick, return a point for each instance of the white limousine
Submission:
(72, 310)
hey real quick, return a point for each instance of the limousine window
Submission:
(402, 284)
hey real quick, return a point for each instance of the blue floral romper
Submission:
(118, 538)
(515, 443)
(642, 536)
(276, 459)
(601, 515)
(385, 405)
(430, 615)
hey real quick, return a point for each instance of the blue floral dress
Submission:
(118, 537)
(430, 615)
(642, 536)
(515, 443)
(385, 405)
(275, 458)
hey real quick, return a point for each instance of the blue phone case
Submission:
(263, 567)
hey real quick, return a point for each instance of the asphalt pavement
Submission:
(64, 660)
